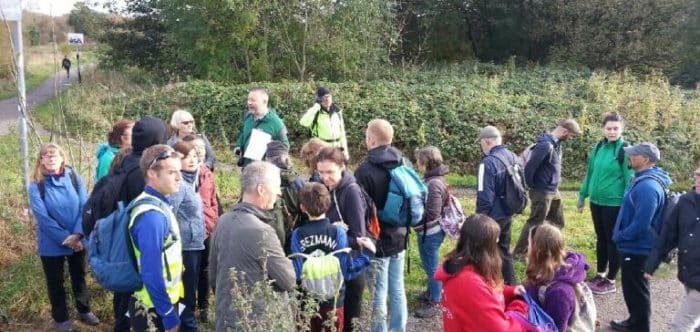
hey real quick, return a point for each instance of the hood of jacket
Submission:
(547, 137)
(263, 215)
(147, 132)
(103, 148)
(656, 173)
(574, 270)
(345, 181)
(441, 170)
(386, 156)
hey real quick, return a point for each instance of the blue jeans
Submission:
(429, 249)
(389, 274)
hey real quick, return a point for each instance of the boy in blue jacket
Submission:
(319, 237)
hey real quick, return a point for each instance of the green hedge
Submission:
(446, 107)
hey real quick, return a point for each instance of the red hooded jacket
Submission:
(207, 191)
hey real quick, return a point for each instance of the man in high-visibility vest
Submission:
(325, 120)
(155, 238)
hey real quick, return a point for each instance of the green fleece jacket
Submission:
(271, 123)
(606, 179)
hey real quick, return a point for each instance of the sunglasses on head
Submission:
(161, 156)
(189, 122)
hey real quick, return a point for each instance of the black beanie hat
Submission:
(322, 91)
(147, 132)
(278, 154)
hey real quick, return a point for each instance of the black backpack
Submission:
(516, 189)
(104, 197)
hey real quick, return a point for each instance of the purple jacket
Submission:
(560, 296)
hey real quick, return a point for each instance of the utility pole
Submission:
(12, 12)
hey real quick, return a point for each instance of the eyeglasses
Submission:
(162, 156)
(51, 156)
(189, 122)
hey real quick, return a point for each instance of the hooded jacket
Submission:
(682, 231)
(210, 205)
(147, 132)
(105, 154)
(373, 176)
(470, 304)
(492, 177)
(606, 179)
(348, 205)
(543, 169)
(639, 221)
(559, 293)
(437, 196)
(188, 209)
(244, 241)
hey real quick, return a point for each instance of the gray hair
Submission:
(179, 116)
(257, 173)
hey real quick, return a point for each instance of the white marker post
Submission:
(11, 11)
(77, 40)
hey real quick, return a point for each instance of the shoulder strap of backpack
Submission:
(41, 185)
(314, 123)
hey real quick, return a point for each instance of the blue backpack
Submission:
(405, 201)
(110, 252)
(537, 319)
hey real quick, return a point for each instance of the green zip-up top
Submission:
(606, 179)
(270, 123)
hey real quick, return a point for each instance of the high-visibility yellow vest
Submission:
(171, 257)
(328, 127)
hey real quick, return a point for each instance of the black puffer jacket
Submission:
(373, 176)
(147, 132)
(682, 231)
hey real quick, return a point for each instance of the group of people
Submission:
(185, 246)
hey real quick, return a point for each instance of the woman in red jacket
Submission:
(474, 296)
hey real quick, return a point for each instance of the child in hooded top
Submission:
(556, 271)
(474, 296)
(320, 237)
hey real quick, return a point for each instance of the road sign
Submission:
(75, 39)
(11, 9)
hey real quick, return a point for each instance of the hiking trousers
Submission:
(687, 318)
(635, 290)
(53, 271)
(543, 206)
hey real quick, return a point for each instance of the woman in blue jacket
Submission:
(56, 195)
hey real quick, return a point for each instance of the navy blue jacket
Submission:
(351, 205)
(543, 169)
(639, 221)
(491, 190)
(323, 236)
(373, 176)
(682, 231)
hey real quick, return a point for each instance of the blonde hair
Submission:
(179, 116)
(381, 131)
(546, 255)
(310, 150)
(39, 170)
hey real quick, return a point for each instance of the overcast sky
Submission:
(58, 7)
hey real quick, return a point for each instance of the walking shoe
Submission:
(605, 286)
(623, 325)
(423, 297)
(89, 318)
(594, 281)
(428, 310)
(66, 326)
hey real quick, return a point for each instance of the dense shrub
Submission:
(446, 108)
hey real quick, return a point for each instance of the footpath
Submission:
(39, 95)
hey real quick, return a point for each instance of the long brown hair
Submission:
(478, 246)
(39, 170)
(546, 254)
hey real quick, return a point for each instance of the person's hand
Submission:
(367, 243)
(341, 225)
(647, 276)
(579, 205)
(71, 241)
(78, 247)
(519, 290)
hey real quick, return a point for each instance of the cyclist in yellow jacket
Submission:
(325, 120)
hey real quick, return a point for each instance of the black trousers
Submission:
(144, 319)
(635, 290)
(54, 272)
(504, 245)
(353, 301)
(120, 305)
(543, 206)
(203, 283)
(607, 257)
